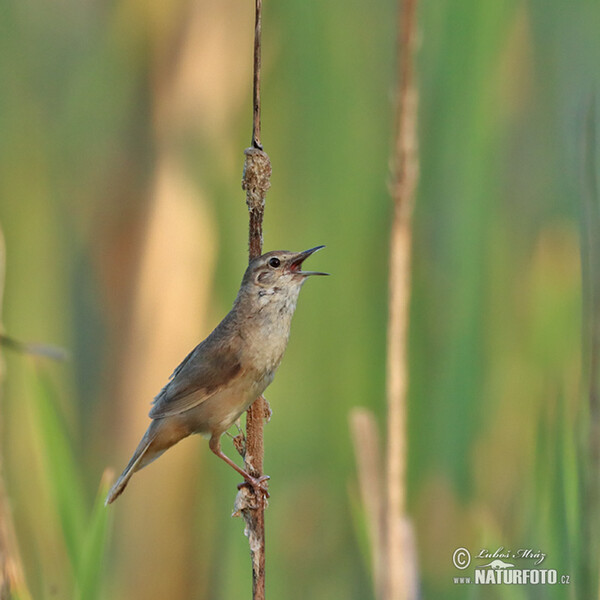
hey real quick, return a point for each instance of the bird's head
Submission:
(278, 273)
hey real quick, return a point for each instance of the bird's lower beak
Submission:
(296, 262)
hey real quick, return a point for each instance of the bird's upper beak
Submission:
(295, 265)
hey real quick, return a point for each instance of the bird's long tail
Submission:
(141, 457)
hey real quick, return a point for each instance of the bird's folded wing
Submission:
(205, 370)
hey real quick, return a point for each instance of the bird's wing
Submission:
(206, 369)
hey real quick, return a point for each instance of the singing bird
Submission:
(224, 374)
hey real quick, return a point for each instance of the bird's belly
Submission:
(219, 412)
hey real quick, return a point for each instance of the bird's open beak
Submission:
(296, 262)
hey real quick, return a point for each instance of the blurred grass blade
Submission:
(365, 438)
(35, 349)
(360, 525)
(89, 576)
(12, 576)
(64, 480)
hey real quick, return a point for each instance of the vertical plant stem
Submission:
(403, 192)
(257, 171)
(256, 143)
(256, 182)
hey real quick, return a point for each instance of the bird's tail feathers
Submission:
(137, 462)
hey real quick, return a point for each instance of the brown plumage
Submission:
(225, 373)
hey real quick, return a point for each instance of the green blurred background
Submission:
(122, 129)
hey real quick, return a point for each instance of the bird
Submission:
(223, 375)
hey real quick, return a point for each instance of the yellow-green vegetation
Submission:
(122, 133)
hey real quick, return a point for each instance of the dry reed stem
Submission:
(257, 171)
(256, 182)
(406, 169)
(256, 143)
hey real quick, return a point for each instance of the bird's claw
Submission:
(257, 484)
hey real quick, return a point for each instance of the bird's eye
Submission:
(274, 262)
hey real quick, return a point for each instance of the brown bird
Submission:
(225, 373)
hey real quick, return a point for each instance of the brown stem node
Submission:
(256, 182)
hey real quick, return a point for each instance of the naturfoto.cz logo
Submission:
(496, 569)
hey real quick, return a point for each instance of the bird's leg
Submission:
(256, 483)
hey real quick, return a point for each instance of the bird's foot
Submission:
(257, 484)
